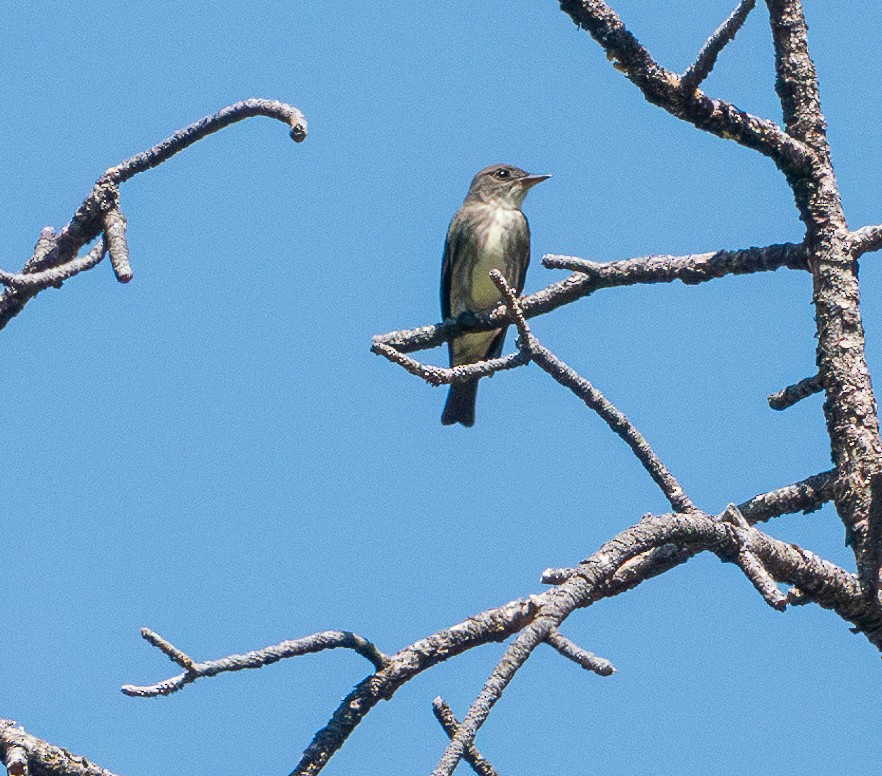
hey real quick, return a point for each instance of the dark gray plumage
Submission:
(488, 232)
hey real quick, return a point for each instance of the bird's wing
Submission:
(452, 246)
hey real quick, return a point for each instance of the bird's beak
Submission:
(531, 180)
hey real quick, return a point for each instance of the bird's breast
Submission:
(494, 243)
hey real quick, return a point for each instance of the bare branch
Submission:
(588, 660)
(25, 754)
(707, 57)
(208, 125)
(761, 579)
(55, 250)
(805, 496)
(792, 394)
(617, 421)
(318, 642)
(691, 269)
(827, 584)
(530, 349)
(31, 283)
(866, 240)
(488, 626)
(444, 715)
(117, 245)
(850, 406)
(752, 566)
(592, 276)
(664, 88)
(438, 375)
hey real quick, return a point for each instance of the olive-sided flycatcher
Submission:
(488, 232)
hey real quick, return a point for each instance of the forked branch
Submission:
(55, 255)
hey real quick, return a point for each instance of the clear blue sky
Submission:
(213, 452)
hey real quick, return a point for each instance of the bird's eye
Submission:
(502, 173)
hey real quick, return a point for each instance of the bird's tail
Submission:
(460, 406)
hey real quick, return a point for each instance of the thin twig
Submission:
(707, 57)
(792, 394)
(751, 565)
(572, 651)
(691, 269)
(514, 307)
(617, 421)
(256, 659)
(444, 715)
(169, 650)
(530, 349)
(438, 375)
(205, 126)
(31, 283)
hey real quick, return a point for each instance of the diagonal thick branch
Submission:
(537, 617)
(821, 581)
(664, 88)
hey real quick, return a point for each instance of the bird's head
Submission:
(503, 185)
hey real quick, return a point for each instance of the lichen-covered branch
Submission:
(866, 240)
(793, 394)
(31, 283)
(691, 269)
(805, 496)
(27, 755)
(850, 405)
(722, 36)
(664, 88)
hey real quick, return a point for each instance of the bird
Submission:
(488, 232)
